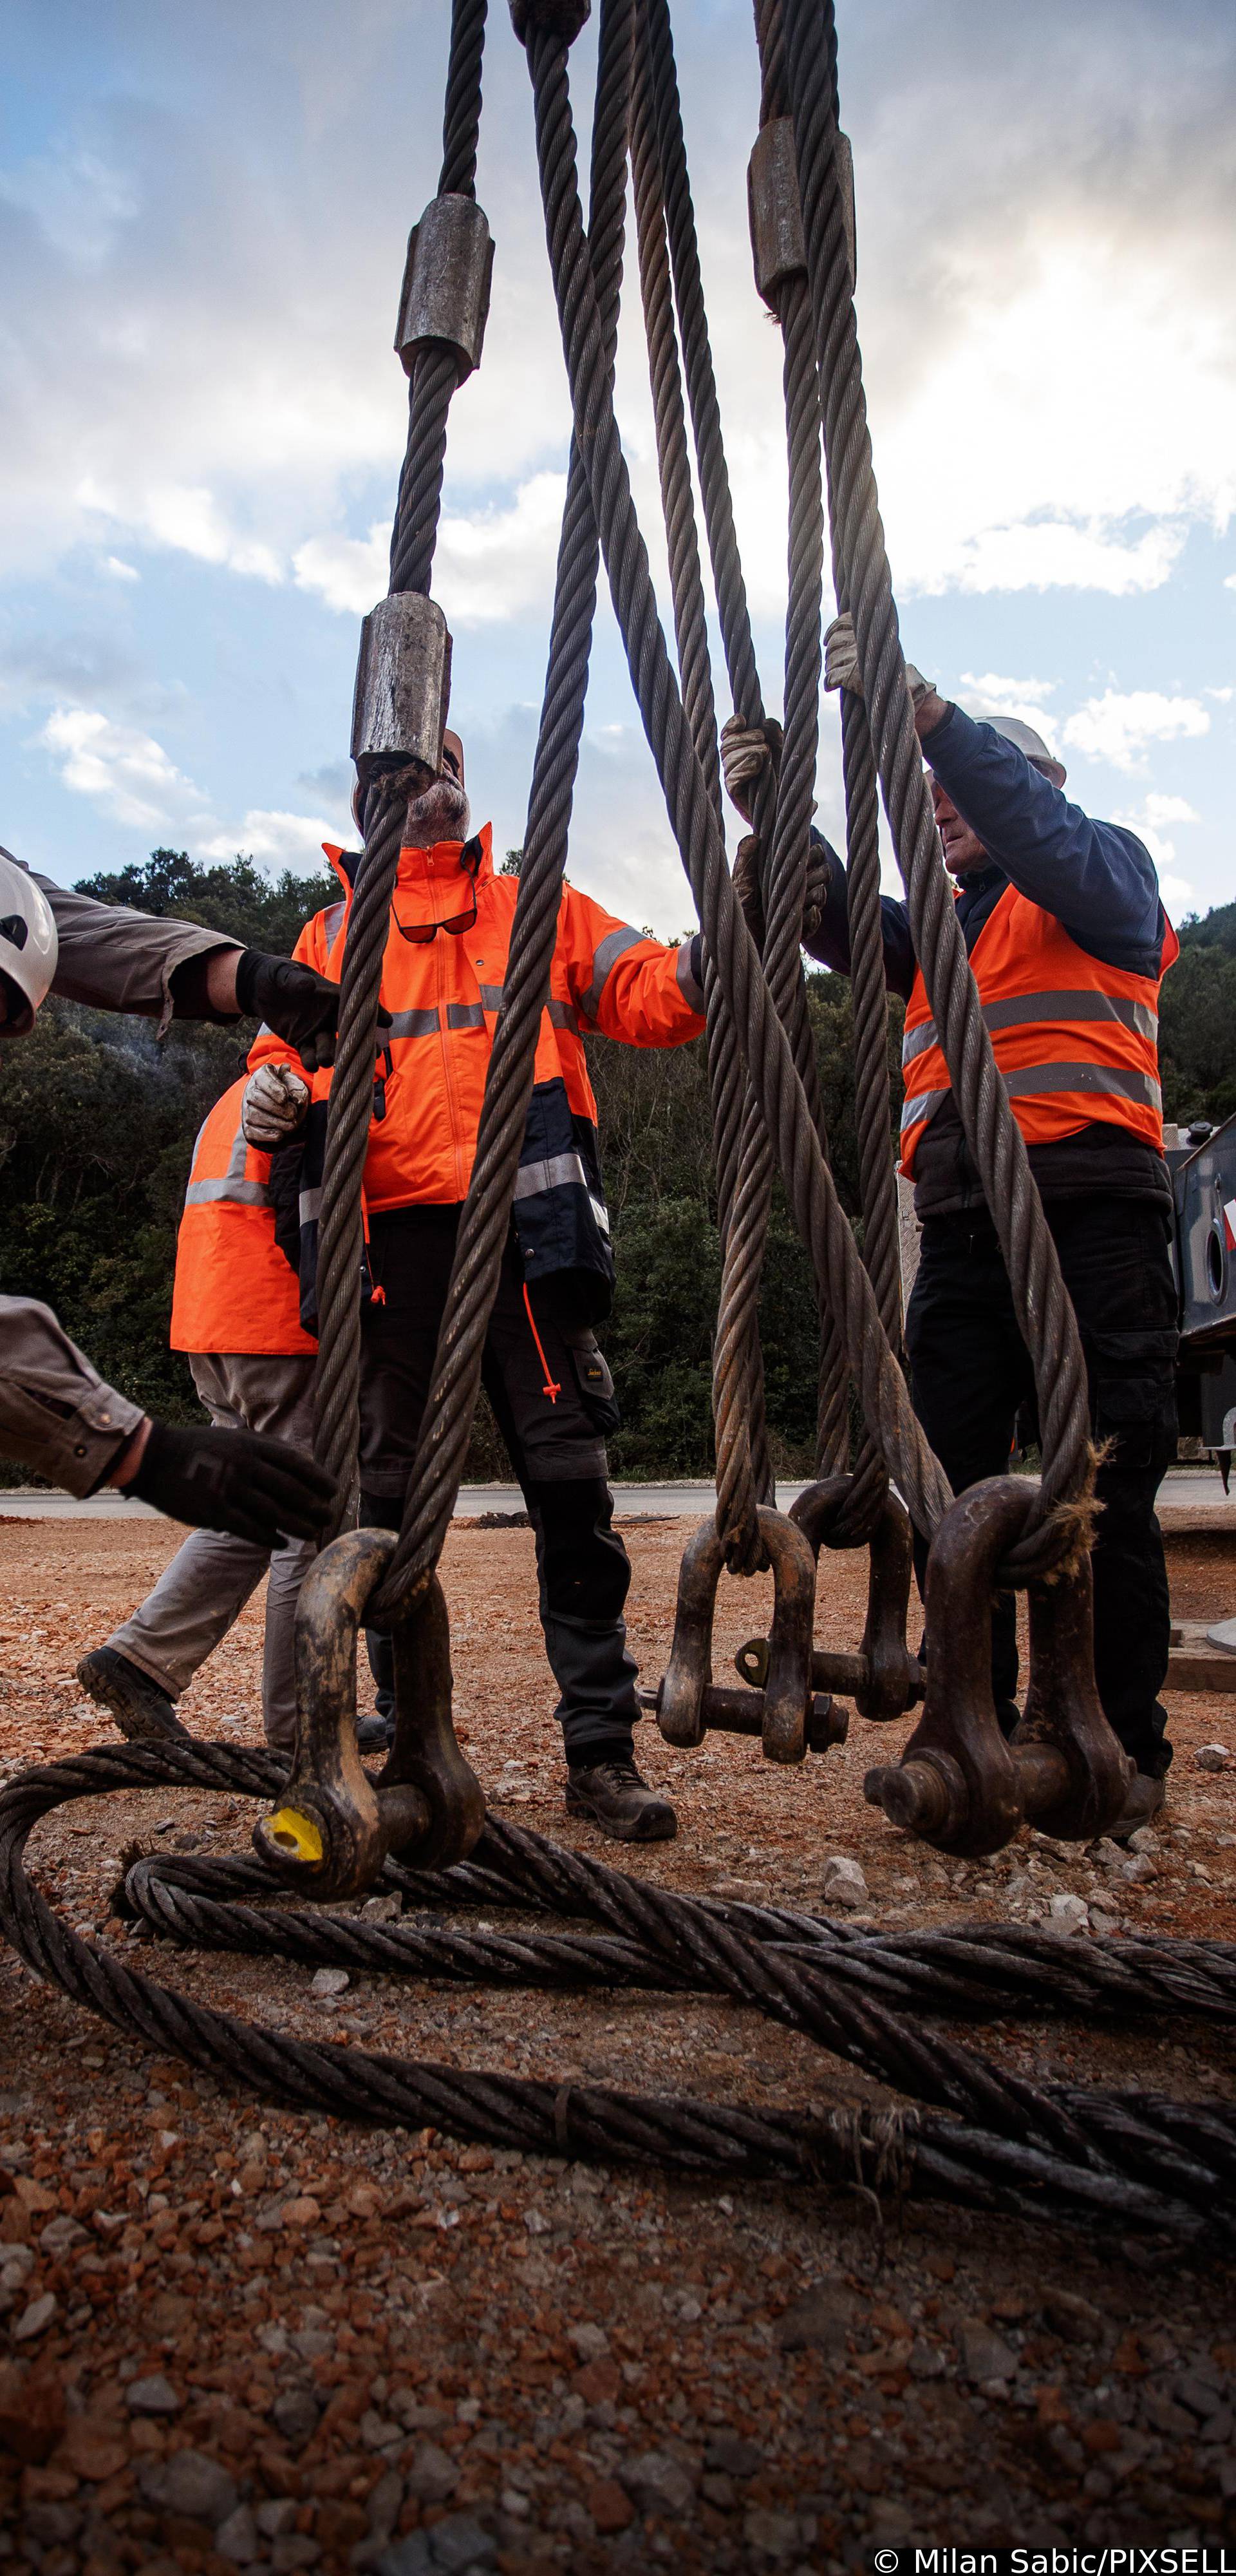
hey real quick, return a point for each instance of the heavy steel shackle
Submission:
(335, 1825)
(960, 1784)
(784, 1713)
(883, 1679)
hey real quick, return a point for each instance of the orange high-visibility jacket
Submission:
(444, 995)
(235, 1290)
(1076, 1040)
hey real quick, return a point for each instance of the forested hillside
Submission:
(97, 1125)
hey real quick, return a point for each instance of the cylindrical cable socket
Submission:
(774, 208)
(446, 280)
(403, 685)
(562, 18)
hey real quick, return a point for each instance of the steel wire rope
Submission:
(741, 1285)
(450, 1404)
(414, 534)
(973, 1970)
(1001, 2141)
(743, 1472)
(783, 1102)
(877, 1174)
(1057, 1523)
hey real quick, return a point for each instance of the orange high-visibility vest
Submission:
(235, 1290)
(445, 994)
(1076, 1040)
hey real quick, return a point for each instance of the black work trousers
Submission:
(553, 1404)
(971, 1372)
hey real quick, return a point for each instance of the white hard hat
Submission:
(28, 945)
(1026, 739)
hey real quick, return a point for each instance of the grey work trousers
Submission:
(202, 1592)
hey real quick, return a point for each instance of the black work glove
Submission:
(295, 1002)
(231, 1480)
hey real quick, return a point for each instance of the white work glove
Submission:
(841, 669)
(274, 1103)
(746, 749)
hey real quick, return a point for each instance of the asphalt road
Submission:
(1185, 1488)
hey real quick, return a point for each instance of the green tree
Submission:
(235, 897)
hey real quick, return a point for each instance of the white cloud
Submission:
(1222, 696)
(188, 520)
(1057, 554)
(1118, 726)
(990, 693)
(126, 773)
(1010, 694)
(1150, 824)
(491, 564)
(129, 777)
(119, 570)
(500, 562)
(349, 573)
(281, 840)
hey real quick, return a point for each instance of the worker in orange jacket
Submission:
(550, 1388)
(235, 1311)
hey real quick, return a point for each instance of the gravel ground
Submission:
(239, 2337)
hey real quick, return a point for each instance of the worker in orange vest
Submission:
(1068, 942)
(552, 1393)
(235, 1312)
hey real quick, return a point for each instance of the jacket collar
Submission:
(449, 870)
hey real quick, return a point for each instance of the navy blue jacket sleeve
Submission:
(1096, 878)
(830, 944)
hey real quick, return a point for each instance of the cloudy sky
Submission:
(202, 225)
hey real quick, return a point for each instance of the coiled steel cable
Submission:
(433, 382)
(783, 1102)
(986, 2136)
(1044, 1311)
(447, 1423)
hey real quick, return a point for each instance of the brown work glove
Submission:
(747, 889)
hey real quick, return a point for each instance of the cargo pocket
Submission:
(596, 1386)
(1133, 1383)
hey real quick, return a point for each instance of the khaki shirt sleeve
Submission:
(119, 960)
(56, 1413)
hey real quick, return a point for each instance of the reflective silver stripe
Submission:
(563, 1015)
(614, 945)
(464, 1015)
(331, 921)
(1072, 1006)
(308, 1205)
(1029, 1007)
(916, 1042)
(558, 1172)
(685, 980)
(1035, 1081)
(243, 1193)
(915, 1111)
(414, 1024)
(1034, 1078)
(491, 996)
(233, 1186)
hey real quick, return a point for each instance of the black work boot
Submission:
(376, 1733)
(141, 1710)
(614, 1798)
(1143, 1803)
